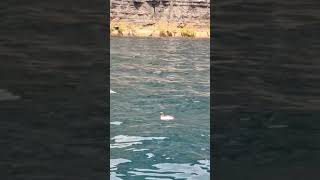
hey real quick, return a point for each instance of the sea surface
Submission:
(53, 90)
(265, 61)
(151, 76)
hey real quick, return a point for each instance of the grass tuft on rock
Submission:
(188, 31)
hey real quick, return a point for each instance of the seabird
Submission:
(165, 117)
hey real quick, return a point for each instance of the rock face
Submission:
(145, 11)
(150, 12)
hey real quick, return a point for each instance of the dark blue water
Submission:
(151, 76)
(52, 90)
(266, 89)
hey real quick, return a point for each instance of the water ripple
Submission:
(167, 75)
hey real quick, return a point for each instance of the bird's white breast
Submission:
(166, 118)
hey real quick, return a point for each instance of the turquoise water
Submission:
(151, 76)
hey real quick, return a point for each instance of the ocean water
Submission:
(266, 89)
(52, 90)
(151, 76)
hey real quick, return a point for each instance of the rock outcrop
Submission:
(160, 17)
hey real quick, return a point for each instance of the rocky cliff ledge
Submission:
(160, 18)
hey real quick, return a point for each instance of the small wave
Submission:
(115, 176)
(199, 171)
(150, 155)
(122, 141)
(278, 126)
(136, 150)
(113, 167)
(115, 162)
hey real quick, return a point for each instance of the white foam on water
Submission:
(204, 164)
(199, 171)
(125, 138)
(116, 123)
(124, 145)
(170, 126)
(150, 155)
(115, 162)
(113, 167)
(136, 150)
(114, 176)
(122, 141)
(151, 178)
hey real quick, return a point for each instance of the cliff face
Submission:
(145, 11)
(148, 12)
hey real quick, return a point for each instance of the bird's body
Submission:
(164, 117)
(112, 92)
